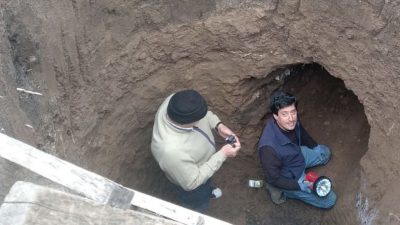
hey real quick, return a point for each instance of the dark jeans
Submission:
(196, 199)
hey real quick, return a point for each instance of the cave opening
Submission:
(333, 115)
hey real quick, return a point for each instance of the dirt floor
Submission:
(333, 116)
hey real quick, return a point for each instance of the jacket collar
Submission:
(280, 134)
(175, 126)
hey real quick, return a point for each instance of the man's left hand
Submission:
(224, 131)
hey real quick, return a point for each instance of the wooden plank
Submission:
(92, 185)
(179, 213)
(84, 182)
(30, 204)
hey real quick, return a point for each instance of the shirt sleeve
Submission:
(306, 139)
(271, 165)
(183, 169)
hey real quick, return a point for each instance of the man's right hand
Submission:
(229, 150)
(305, 186)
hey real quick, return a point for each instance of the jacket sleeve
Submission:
(271, 165)
(183, 169)
(212, 119)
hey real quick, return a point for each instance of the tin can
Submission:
(256, 183)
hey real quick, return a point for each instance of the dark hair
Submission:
(281, 99)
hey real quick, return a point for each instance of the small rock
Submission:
(32, 59)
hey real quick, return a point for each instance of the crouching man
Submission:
(286, 150)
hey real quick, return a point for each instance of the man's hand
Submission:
(305, 186)
(230, 151)
(224, 131)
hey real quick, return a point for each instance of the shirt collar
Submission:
(177, 126)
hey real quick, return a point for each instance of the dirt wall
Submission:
(103, 68)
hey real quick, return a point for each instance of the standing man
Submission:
(184, 147)
(286, 150)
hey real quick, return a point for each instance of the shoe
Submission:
(215, 193)
(276, 194)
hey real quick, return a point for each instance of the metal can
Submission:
(256, 183)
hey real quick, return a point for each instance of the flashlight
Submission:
(320, 185)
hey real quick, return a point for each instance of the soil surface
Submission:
(333, 116)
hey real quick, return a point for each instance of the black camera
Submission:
(231, 140)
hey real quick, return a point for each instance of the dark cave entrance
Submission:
(333, 116)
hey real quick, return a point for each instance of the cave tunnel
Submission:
(333, 116)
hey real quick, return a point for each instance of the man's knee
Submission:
(329, 202)
(324, 153)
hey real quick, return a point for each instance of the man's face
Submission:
(287, 117)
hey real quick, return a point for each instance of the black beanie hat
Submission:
(187, 106)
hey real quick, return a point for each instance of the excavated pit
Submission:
(104, 67)
(333, 116)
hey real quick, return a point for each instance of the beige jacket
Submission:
(186, 156)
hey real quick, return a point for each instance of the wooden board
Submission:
(94, 186)
(31, 204)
